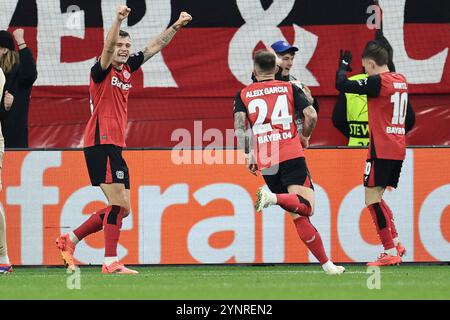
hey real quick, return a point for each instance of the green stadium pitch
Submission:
(230, 282)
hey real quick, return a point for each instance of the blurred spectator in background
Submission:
(5, 265)
(350, 115)
(20, 71)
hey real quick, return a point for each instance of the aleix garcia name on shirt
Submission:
(270, 90)
(119, 84)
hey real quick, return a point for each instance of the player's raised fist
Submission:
(19, 35)
(184, 18)
(122, 12)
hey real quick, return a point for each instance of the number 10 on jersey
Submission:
(400, 102)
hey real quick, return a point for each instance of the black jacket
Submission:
(19, 82)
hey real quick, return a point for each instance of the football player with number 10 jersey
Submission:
(387, 99)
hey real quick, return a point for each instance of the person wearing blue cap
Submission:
(286, 55)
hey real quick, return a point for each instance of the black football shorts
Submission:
(382, 173)
(287, 173)
(106, 165)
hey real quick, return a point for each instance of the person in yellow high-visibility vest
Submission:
(357, 116)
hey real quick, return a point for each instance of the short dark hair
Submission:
(265, 61)
(377, 52)
(290, 51)
(124, 34)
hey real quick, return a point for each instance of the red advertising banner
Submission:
(194, 207)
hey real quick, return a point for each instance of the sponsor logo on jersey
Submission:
(119, 84)
(120, 175)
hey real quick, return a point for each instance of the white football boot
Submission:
(264, 199)
(331, 269)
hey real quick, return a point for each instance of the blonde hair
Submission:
(9, 60)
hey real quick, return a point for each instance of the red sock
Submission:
(91, 225)
(381, 220)
(391, 218)
(111, 228)
(311, 238)
(294, 203)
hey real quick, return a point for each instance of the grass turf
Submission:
(290, 282)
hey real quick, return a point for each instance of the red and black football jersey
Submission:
(387, 100)
(109, 90)
(272, 108)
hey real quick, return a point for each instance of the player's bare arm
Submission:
(309, 125)
(239, 130)
(113, 37)
(160, 42)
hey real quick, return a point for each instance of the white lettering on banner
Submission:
(31, 195)
(416, 71)
(430, 217)
(261, 25)
(155, 20)
(152, 204)
(273, 234)
(51, 28)
(72, 216)
(401, 203)
(8, 8)
(242, 223)
(322, 220)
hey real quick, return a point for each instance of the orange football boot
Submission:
(66, 248)
(385, 260)
(117, 267)
(401, 249)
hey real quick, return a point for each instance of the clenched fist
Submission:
(184, 18)
(122, 12)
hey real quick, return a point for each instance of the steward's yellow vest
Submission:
(357, 116)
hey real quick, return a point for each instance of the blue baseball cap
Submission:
(282, 46)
